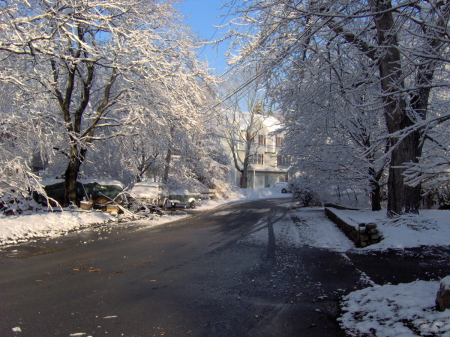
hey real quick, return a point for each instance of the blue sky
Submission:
(202, 16)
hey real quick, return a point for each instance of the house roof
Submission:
(271, 123)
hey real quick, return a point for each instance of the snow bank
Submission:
(21, 228)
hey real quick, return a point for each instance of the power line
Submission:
(258, 73)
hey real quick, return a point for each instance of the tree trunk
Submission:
(401, 198)
(375, 195)
(71, 176)
(375, 190)
(246, 164)
(168, 158)
(167, 165)
(245, 174)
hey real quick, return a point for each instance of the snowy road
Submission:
(253, 269)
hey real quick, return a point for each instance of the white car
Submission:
(282, 186)
(151, 193)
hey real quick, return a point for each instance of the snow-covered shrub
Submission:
(17, 183)
(14, 202)
(352, 196)
(443, 196)
(437, 196)
(303, 190)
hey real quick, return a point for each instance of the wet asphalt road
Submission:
(193, 277)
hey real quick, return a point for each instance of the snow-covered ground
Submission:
(401, 310)
(307, 226)
(390, 310)
(430, 228)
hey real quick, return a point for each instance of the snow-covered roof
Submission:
(270, 123)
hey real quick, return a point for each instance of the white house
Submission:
(258, 140)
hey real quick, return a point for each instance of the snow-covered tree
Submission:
(406, 49)
(242, 117)
(331, 126)
(24, 134)
(94, 60)
(180, 127)
(241, 128)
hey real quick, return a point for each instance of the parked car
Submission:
(184, 198)
(102, 191)
(99, 191)
(282, 186)
(151, 193)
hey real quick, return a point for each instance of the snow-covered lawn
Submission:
(430, 228)
(401, 310)
(390, 310)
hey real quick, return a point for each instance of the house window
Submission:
(279, 141)
(262, 140)
(283, 160)
(256, 159)
(261, 159)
